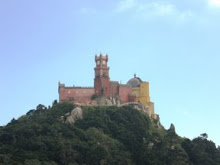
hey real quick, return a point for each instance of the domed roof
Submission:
(134, 82)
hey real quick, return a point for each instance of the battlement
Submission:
(78, 87)
(75, 87)
(60, 84)
(101, 57)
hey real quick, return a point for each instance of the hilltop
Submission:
(100, 135)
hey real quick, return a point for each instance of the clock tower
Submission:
(102, 80)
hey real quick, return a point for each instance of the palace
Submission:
(107, 92)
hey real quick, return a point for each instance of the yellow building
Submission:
(141, 93)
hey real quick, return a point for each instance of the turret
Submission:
(102, 80)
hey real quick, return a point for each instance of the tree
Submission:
(204, 136)
(55, 102)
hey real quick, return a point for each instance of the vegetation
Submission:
(105, 135)
(93, 97)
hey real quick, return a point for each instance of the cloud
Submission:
(125, 5)
(214, 3)
(156, 8)
(153, 9)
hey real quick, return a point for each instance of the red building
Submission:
(102, 87)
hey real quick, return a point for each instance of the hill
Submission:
(104, 135)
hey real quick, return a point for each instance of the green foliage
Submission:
(202, 151)
(105, 135)
(93, 97)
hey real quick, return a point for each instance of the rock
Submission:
(159, 124)
(108, 102)
(150, 145)
(113, 101)
(75, 114)
(172, 128)
(101, 100)
(118, 101)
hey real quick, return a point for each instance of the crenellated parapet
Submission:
(79, 87)
(60, 84)
(101, 57)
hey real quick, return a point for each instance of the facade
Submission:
(105, 90)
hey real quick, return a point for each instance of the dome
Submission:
(134, 82)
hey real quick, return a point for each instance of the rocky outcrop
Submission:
(172, 128)
(113, 101)
(75, 114)
(109, 101)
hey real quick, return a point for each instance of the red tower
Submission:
(102, 80)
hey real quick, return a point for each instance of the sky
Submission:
(174, 45)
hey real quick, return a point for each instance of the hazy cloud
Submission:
(125, 5)
(214, 3)
(150, 9)
(163, 9)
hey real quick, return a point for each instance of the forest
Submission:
(105, 135)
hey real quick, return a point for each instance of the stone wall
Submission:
(124, 92)
(114, 88)
(76, 94)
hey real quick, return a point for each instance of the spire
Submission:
(134, 75)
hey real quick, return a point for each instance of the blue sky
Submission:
(172, 44)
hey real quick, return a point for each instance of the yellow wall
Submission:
(142, 93)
